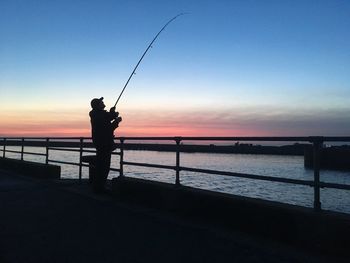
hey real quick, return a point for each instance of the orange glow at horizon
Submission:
(135, 131)
(158, 123)
(56, 131)
(147, 124)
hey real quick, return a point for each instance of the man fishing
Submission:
(103, 124)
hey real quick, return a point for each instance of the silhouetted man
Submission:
(103, 124)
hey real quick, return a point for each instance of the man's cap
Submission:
(95, 102)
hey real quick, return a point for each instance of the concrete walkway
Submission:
(62, 221)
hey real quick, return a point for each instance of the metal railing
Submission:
(66, 144)
(82, 145)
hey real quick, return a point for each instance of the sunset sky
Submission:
(228, 68)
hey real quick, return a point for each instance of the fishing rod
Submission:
(144, 53)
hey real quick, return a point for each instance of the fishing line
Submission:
(144, 53)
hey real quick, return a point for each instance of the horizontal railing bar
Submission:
(77, 150)
(13, 151)
(71, 163)
(89, 151)
(63, 149)
(335, 186)
(115, 169)
(94, 151)
(305, 139)
(278, 138)
(273, 138)
(31, 153)
(60, 144)
(221, 138)
(44, 138)
(250, 176)
(150, 165)
(64, 162)
(148, 138)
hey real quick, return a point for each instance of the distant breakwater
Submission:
(335, 157)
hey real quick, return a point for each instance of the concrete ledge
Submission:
(325, 232)
(33, 169)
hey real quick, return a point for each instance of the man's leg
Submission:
(106, 167)
(103, 161)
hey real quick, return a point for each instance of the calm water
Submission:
(269, 165)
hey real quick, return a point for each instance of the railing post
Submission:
(316, 161)
(80, 158)
(4, 149)
(121, 162)
(47, 151)
(22, 149)
(177, 167)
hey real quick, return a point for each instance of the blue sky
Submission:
(272, 67)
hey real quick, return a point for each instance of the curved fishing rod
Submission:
(144, 53)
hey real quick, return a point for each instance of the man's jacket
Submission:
(102, 128)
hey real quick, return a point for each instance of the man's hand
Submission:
(113, 112)
(115, 122)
